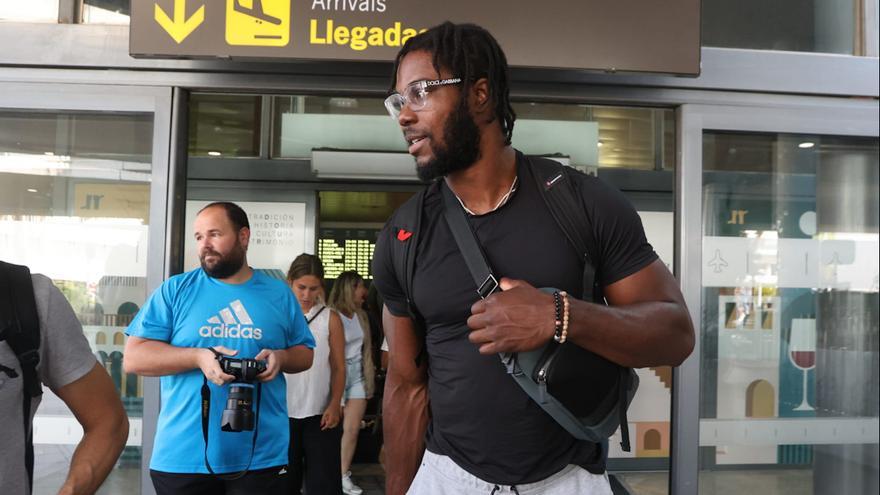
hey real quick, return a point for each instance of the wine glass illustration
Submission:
(802, 352)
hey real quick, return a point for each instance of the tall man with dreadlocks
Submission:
(483, 434)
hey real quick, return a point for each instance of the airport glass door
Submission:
(82, 200)
(788, 299)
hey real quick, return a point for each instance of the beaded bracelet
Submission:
(560, 301)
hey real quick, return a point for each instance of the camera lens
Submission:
(239, 414)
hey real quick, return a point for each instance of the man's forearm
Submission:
(95, 404)
(635, 335)
(295, 359)
(95, 457)
(405, 420)
(147, 357)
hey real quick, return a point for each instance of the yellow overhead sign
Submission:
(258, 22)
(180, 27)
(607, 35)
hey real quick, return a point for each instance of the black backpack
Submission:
(615, 387)
(20, 328)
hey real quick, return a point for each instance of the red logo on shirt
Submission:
(403, 235)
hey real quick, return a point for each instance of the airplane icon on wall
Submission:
(718, 263)
(256, 11)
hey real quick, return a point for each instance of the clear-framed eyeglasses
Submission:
(415, 95)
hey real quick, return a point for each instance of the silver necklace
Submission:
(501, 203)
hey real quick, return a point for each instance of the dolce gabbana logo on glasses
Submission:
(442, 82)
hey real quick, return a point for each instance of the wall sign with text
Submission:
(609, 35)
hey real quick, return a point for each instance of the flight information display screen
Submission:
(347, 249)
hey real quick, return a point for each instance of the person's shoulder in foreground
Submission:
(68, 368)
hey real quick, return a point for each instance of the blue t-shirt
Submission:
(195, 310)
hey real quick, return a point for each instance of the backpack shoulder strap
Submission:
(405, 230)
(20, 327)
(558, 186)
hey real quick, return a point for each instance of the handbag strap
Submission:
(310, 320)
(468, 245)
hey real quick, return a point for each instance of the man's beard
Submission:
(461, 149)
(226, 265)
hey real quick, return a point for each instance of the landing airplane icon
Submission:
(718, 263)
(256, 11)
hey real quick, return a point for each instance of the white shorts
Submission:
(439, 475)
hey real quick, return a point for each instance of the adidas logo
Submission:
(233, 322)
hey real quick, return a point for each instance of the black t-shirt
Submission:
(480, 417)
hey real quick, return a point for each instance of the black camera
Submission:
(239, 414)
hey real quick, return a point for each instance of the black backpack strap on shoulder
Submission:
(405, 232)
(20, 327)
(556, 184)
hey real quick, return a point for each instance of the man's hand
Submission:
(211, 367)
(332, 415)
(520, 318)
(273, 365)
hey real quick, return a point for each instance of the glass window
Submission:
(29, 11)
(790, 311)
(224, 125)
(106, 11)
(74, 205)
(585, 136)
(597, 136)
(306, 123)
(826, 26)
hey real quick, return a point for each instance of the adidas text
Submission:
(224, 331)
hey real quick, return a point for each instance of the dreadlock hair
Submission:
(471, 53)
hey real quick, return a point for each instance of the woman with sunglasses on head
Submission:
(347, 297)
(314, 396)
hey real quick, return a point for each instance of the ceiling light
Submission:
(599, 144)
(32, 190)
(806, 145)
(214, 153)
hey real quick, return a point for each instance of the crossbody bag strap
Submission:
(474, 258)
(468, 245)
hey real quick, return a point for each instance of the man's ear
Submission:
(481, 98)
(244, 237)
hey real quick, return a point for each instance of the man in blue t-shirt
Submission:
(230, 308)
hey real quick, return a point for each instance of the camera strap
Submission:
(206, 410)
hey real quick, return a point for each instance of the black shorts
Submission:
(269, 481)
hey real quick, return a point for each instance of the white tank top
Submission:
(354, 336)
(308, 392)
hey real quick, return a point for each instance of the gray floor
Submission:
(371, 478)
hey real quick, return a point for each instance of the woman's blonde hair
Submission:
(342, 299)
(342, 295)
